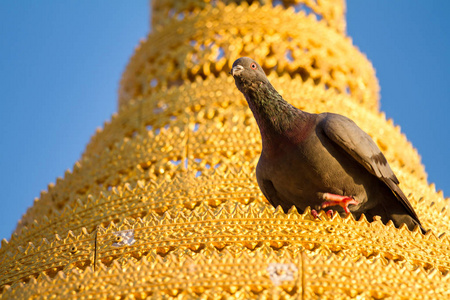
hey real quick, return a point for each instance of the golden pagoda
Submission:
(164, 202)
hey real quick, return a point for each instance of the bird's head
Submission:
(248, 74)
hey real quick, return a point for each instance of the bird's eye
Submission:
(253, 66)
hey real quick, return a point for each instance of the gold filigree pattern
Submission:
(164, 202)
(283, 41)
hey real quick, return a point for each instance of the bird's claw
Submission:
(343, 201)
(330, 213)
(316, 215)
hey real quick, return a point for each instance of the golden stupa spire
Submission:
(164, 202)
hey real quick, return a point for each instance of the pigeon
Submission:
(319, 160)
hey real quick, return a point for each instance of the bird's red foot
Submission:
(343, 201)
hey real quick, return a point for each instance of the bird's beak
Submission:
(236, 70)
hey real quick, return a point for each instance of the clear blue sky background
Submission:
(61, 61)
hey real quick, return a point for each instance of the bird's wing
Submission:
(353, 140)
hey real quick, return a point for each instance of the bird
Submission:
(321, 161)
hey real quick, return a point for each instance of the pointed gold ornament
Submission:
(164, 202)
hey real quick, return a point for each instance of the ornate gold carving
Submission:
(164, 202)
(280, 39)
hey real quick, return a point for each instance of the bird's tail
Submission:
(405, 202)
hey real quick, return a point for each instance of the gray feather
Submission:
(353, 140)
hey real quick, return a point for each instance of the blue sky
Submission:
(61, 61)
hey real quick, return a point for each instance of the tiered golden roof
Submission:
(164, 201)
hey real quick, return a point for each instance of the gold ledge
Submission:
(268, 273)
